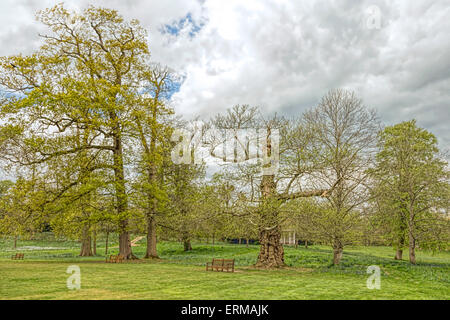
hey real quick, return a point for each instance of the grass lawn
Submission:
(181, 275)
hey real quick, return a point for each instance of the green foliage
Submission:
(412, 188)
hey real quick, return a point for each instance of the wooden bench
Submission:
(115, 259)
(17, 256)
(220, 265)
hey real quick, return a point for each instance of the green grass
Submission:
(181, 275)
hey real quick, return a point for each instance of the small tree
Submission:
(21, 209)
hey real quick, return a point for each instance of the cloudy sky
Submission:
(285, 55)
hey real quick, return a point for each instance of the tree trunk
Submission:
(246, 242)
(213, 239)
(401, 239)
(94, 243)
(337, 252)
(271, 254)
(120, 189)
(151, 238)
(400, 246)
(106, 243)
(187, 245)
(412, 249)
(86, 250)
(15, 242)
(306, 244)
(124, 241)
(240, 241)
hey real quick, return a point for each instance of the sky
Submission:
(283, 56)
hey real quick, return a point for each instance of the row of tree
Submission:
(87, 128)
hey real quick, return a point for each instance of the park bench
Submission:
(115, 259)
(17, 256)
(220, 265)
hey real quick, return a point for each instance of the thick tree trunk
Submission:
(412, 249)
(240, 241)
(124, 241)
(86, 250)
(151, 238)
(337, 252)
(271, 254)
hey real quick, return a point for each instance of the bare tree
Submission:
(346, 133)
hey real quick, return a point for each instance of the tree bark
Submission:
(122, 203)
(94, 243)
(187, 244)
(86, 250)
(124, 241)
(106, 242)
(246, 242)
(337, 252)
(306, 244)
(412, 249)
(151, 238)
(271, 254)
(400, 245)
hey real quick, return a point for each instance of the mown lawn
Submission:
(181, 275)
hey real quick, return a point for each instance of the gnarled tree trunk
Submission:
(271, 253)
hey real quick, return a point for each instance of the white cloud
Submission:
(284, 55)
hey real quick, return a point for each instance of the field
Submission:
(181, 275)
